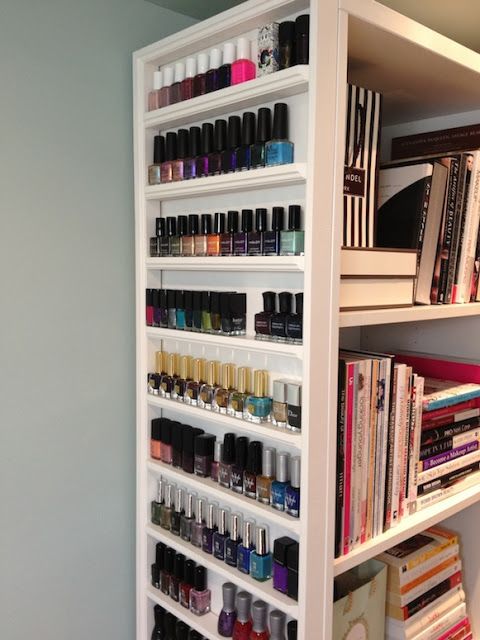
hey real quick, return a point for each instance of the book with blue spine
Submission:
(446, 393)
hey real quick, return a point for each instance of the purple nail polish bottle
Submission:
(280, 569)
(228, 614)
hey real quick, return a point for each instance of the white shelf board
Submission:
(292, 438)
(284, 175)
(263, 590)
(419, 313)
(207, 625)
(270, 88)
(408, 527)
(236, 501)
(247, 343)
(420, 72)
(280, 264)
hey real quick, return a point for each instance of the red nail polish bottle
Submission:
(259, 615)
(243, 624)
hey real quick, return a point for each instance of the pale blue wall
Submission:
(67, 438)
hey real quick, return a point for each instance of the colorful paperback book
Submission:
(446, 393)
(403, 599)
(424, 501)
(418, 549)
(441, 439)
(449, 478)
(447, 456)
(405, 582)
(403, 613)
(448, 467)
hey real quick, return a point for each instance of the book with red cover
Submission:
(439, 366)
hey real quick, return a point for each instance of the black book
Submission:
(340, 458)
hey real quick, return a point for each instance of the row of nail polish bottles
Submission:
(194, 235)
(169, 627)
(282, 325)
(283, 45)
(213, 150)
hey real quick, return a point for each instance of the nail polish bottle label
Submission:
(156, 512)
(177, 170)
(280, 574)
(292, 501)
(219, 546)
(250, 485)
(257, 155)
(207, 540)
(200, 602)
(255, 243)
(154, 174)
(292, 243)
(271, 243)
(278, 152)
(224, 76)
(154, 247)
(294, 417)
(279, 414)
(185, 594)
(231, 552)
(243, 564)
(166, 172)
(226, 244)
(278, 495)
(175, 246)
(189, 169)
(261, 566)
(240, 244)
(202, 466)
(242, 159)
(237, 480)
(164, 246)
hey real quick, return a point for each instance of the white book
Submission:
(365, 465)
(405, 577)
(375, 293)
(444, 624)
(399, 438)
(403, 500)
(383, 437)
(440, 494)
(417, 429)
(378, 262)
(358, 453)
(426, 585)
(448, 467)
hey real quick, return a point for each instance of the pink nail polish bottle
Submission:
(154, 95)
(200, 80)
(186, 88)
(166, 90)
(243, 68)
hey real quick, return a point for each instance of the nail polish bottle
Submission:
(238, 468)
(177, 512)
(201, 239)
(286, 42)
(215, 316)
(264, 482)
(200, 596)
(228, 614)
(155, 442)
(236, 401)
(199, 82)
(231, 544)
(170, 624)
(199, 523)
(225, 70)
(243, 68)
(261, 559)
(188, 444)
(206, 318)
(149, 307)
(177, 576)
(209, 528)
(213, 240)
(280, 484)
(253, 469)
(167, 508)
(194, 147)
(159, 615)
(243, 624)
(155, 572)
(202, 166)
(156, 505)
(219, 143)
(156, 307)
(187, 584)
(182, 153)
(155, 169)
(245, 548)
(259, 405)
(268, 56)
(181, 630)
(188, 241)
(188, 304)
(280, 570)
(217, 457)
(173, 238)
(279, 150)
(292, 571)
(302, 27)
(197, 310)
(292, 492)
(294, 406)
(221, 535)
(162, 309)
(186, 368)
(222, 392)
(160, 554)
(292, 240)
(166, 441)
(204, 445)
(175, 89)
(166, 90)
(279, 404)
(179, 310)
(264, 134)
(255, 238)
(279, 319)
(277, 625)
(163, 241)
(154, 248)
(240, 239)
(212, 79)
(199, 378)
(187, 518)
(227, 461)
(229, 155)
(166, 169)
(186, 88)
(295, 322)
(259, 616)
(271, 239)
(154, 95)
(166, 574)
(195, 635)
(292, 628)
(171, 309)
(226, 239)
(208, 389)
(243, 152)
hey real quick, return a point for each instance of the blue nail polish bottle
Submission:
(261, 559)
(245, 549)
(232, 543)
(180, 309)
(292, 493)
(259, 404)
(279, 486)
(279, 150)
(220, 536)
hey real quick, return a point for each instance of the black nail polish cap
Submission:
(188, 300)
(232, 221)
(169, 559)
(206, 223)
(286, 31)
(149, 297)
(228, 456)
(182, 144)
(269, 301)
(182, 225)
(292, 630)
(225, 304)
(215, 302)
(156, 298)
(171, 146)
(166, 431)
(234, 128)
(181, 630)
(285, 304)
(207, 138)
(299, 303)
(156, 429)
(179, 299)
(292, 556)
(177, 438)
(205, 300)
(171, 226)
(247, 220)
(194, 143)
(171, 299)
(193, 224)
(241, 449)
(294, 217)
(280, 121)
(169, 622)
(197, 300)
(159, 614)
(189, 573)
(155, 573)
(264, 125)
(187, 439)
(220, 135)
(179, 566)
(193, 634)
(254, 458)
(159, 227)
(302, 24)
(162, 303)
(158, 149)
(280, 549)
(238, 304)
(248, 128)
(160, 554)
(219, 225)
(260, 219)
(204, 444)
(200, 580)
(278, 216)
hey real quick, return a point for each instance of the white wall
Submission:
(67, 437)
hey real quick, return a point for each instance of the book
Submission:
(340, 456)
(448, 443)
(445, 393)
(448, 626)
(412, 552)
(440, 274)
(448, 478)
(448, 467)
(439, 366)
(434, 497)
(403, 613)
(403, 582)
(377, 262)
(446, 456)
(450, 430)
(390, 447)
(376, 293)
(404, 598)
(437, 142)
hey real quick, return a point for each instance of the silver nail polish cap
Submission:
(268, 462)
(223, 516)
(283, 459)
(244, 604)
(169, 495)
(295, 472)
(189, 502)
(160, 490)
(199, 515)
(229, 591)
(235, 526)
(279, 391)
(294, 394)
(211, 513)
(261, 541)
(277, 625)
(259, 616)
(248, 530)
(179, 500)
(218, 451)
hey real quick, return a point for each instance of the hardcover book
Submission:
(440, 141)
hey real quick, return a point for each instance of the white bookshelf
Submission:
(428, 82)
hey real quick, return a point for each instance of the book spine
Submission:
(370, 481)
(399, 442)
(440, 400)
(447, 479)
(448, 467)
(406, 418)
(445, 248)
(450, 413)
(452, 631)
(385, 385)
(403, 613)
(417, 436)
(448, 444)
(390, 452)
(365, 466)
(357, 454)
(462, 484)
(403, 600)
(403, 582)
(451, 622)
(436, 142)
(348, 456)
(460, 208)
(340, 461)
(447, 456)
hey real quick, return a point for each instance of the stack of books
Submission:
(425, 596)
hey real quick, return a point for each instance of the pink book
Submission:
(443, 367)
(460, 626)
(350, 370)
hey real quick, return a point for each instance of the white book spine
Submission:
(442, 625)
(365, 468)
(428, 584)
(398, 442)
(448, 467)
(383, 445)
(414, 573)
(406, 419)
(419, 385)
(358, 458)
(437, 496)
